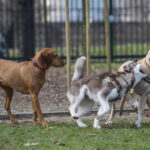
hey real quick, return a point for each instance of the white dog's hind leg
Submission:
(74, 106)
(84, 107)
(141, 110)
(104, 109)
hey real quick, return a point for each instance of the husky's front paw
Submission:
(96, 124)
(138, 124)
(73, 114)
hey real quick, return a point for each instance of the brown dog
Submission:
(28, 78)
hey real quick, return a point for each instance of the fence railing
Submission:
(27, 26)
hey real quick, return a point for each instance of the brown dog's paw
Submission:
(14, 121)
(45, 124)
(35, 123)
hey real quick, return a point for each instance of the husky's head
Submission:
(137, 72)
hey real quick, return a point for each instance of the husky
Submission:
(104, 89)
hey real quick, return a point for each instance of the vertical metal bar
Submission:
(68, 46)
(111, 27)
(15, 25)
(28, 29)
(61, 23)
(107, 35)
(84, 27)
(40, 41)
(87, 38)
(45, 22)
(77, 29)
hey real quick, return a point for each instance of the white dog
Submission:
(103, 89)
(142, 89)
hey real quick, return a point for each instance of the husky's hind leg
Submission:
(84, 107)
(76, 102)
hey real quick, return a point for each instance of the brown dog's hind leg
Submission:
(123, 99)
(36, 105)
(9, 94)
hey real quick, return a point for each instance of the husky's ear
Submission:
(126, 68)
(133, 63)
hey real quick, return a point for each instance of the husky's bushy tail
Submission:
(79, 68)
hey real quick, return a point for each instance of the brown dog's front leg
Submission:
(34, 115)
(36, 105)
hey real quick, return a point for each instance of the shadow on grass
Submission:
(119, 124)
(126, 125)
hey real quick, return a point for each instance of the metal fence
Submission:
(27, 26)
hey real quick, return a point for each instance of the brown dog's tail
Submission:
(79, 68)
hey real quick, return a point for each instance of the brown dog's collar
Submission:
(37, 66)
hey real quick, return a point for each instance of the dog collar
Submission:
(117, 86)
(132, 82)
(124, 80)
(37, 66)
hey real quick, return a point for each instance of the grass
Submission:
(124, 49)
(128, 49)
(67, 136)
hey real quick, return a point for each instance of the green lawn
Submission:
(67, 136)
(128, 49)
(124, 49)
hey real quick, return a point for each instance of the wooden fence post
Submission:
(68, 46)
(87, 37)
(107, 35)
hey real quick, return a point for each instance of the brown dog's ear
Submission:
(43, 60)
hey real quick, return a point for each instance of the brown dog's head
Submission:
(48, 57)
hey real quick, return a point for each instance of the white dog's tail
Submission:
(79, 68)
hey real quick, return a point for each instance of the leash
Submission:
(124, 80)
(129, 86)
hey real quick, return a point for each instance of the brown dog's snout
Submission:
(58, 62)
(62, 63)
